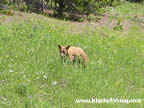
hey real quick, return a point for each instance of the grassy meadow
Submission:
(32, 74)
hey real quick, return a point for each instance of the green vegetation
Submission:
(61, 6)
(32, 73)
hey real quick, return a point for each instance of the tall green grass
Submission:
(32, 74)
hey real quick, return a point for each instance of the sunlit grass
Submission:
(33, 75)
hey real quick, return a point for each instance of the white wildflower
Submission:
(3, 103)
(3, 98)
(37, 77)
(3, 80)
(24, 76)
(45, 77)
(54, 83)
(21, 72)
(10, 70)
(9, 65)
(12, 59)
(42, 72)
(45, 93)
(28, 80)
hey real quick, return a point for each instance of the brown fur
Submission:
(72, 52)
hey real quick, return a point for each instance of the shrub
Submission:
(135, 0)
(93, 18)
(119, 25)
(7, 12)
(5, 2)
(90, 6)
(23, 7)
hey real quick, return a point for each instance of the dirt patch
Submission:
(106, 21)
(127, 24)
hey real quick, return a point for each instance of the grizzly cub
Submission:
(72, 52)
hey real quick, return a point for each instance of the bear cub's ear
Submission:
(59, 46)
(68, 47)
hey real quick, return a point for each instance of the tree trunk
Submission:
(43, 1)
(51, 3)
(55, 2)
(61, 6)
(13, 1)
